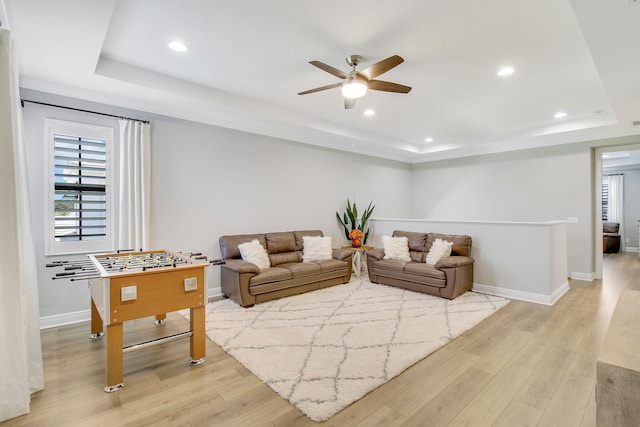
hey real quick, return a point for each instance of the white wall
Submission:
(543, 184)
(208, 181)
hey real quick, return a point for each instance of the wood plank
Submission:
(485, 408)
(569, 403)
(518, 414)
(545, 379)
(432, 383)
(444, 407)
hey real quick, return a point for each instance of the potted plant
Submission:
(355, 228)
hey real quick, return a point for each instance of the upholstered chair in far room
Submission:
(610, 237)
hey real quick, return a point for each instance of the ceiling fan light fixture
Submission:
(354, 89)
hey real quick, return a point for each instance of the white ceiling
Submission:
(248, 59)
(623, 159)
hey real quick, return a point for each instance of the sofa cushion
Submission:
(332, 265)
(273, 274)
(284, 258)
(391, 264)
(424, 269)
(610, 227)
(396, 248)
(280, 242)
(301, 269)
(315, 248)
(255, 253)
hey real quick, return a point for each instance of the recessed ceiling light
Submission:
(369, 113)
(506, 71)
(560, 114)
(428, 139)
(178, 46)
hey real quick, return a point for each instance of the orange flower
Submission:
(356, 234)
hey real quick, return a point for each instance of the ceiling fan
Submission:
(355, 83)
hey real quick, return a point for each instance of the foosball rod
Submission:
(68, 263)
(142, 263)
(72, 277)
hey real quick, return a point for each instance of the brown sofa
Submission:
(449, 277)
(243, 282)
(610, 237)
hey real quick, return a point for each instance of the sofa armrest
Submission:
(341, 254)
(239, 266)
(453, 261)
(376, 253)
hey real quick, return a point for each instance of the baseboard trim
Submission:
(522, 295)
(589, 277)
(56, 320)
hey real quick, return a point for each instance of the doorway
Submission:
(620, 159)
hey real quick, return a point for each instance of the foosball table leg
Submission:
(115, 368)
(96, 322)
(197, 343)
(161, 319)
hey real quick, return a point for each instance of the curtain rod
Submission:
(22, 101)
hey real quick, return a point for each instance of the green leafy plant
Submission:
(349, 219)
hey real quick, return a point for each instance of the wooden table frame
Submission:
(159, 291)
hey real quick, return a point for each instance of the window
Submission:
(78, 206)
(605, 201)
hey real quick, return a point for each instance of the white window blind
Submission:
(80, 188)
(605, 201)
(79, 198)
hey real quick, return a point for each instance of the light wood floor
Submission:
(527, 365)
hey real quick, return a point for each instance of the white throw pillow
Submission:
(439, 248)
(254, 252)
(316, 248)
(396, 248)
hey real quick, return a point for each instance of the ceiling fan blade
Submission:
(387, 86)
(381, 67)
(318, 89)
(349, 103)
(329, 69)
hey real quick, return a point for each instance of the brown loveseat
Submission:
(243, 281)
(449, 277)
(610, 237)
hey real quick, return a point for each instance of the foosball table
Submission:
(127, 286)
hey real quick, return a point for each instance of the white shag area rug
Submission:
(324, 350)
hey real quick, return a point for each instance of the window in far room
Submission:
(79, 201)
(605, 200)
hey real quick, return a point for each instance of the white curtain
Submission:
(20, 350)
(616, 204)
(134, 197)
